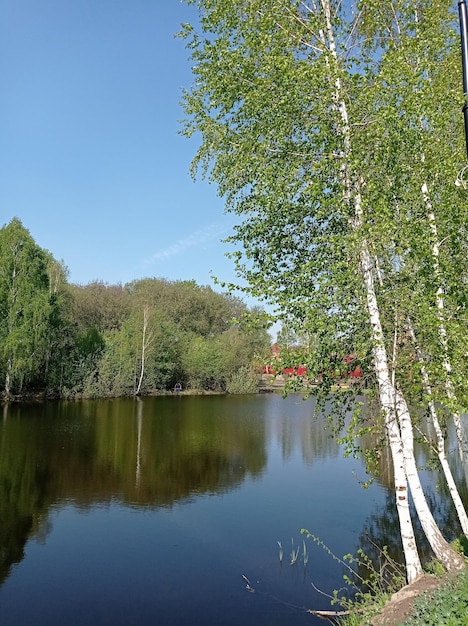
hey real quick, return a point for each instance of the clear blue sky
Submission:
(90, 156)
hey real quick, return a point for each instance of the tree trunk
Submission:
(8, 379)
(147, 338)
(387, 402)
(457, 501)
(459, 429)
(446, 555)
(386, 390)
(143, 349)
(394, 406)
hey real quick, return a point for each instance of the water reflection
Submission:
(148, 453)
(139, 452)
(294, 427)
(231, 473)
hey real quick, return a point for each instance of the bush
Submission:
(243, 380)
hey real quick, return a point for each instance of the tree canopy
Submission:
(101, 340)
(26, 306)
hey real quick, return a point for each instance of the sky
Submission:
(91, 159)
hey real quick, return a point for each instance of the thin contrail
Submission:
(196, 238)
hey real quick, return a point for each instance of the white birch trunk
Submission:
(387, 402)
(386, 389)
(8, 379)
(144, 344)
(392, 402)
(459, 429)
(446, 555)
(457, 501)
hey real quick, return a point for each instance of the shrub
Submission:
(243, 380)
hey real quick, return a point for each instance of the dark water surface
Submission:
(150, 511)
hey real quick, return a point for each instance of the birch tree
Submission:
(147, 338)
(424, 272)
(423, 140)
(280, 98)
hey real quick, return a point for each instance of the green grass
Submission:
(446, 606)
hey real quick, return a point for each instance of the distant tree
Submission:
(99, 305)
(111, 340)
(201, 363)
(212, 362)
(26, 306)
(61, 342)
(294, 335)
(91, 312)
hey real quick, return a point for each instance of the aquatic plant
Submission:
(305, 555)
(280, 551)
(294, 553)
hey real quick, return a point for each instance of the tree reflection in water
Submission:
(152, 454)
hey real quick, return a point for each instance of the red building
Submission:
(300, 370)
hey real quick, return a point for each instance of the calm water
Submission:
(150, 511)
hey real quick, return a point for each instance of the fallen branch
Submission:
(329, 615)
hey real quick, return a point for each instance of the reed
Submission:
(294, 553)
(280, 551)
(305, 555)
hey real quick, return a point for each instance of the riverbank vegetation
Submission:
(448, 604)
(64, 340)
(429, 601)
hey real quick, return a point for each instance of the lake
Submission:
(152, 511)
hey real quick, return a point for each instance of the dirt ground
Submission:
(399, 607)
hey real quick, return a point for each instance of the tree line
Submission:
(334, 131)
(97, 340)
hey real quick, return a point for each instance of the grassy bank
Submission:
(447, 605)
(429, 601)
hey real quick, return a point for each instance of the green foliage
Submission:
(447, 605)
(264, 101)
(243, 380)
(173, 332)
(371, 581)
(97, 305)
(374, 580)
(461, 545)
(294, 554)
(113, 340)
(27, 307)
(330, 130)
(201, 361)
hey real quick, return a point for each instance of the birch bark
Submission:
(446, 555)
(439, 296)
(440, 440)
(400, 430)
(387, 402)
(386, 389)
(145, 342)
